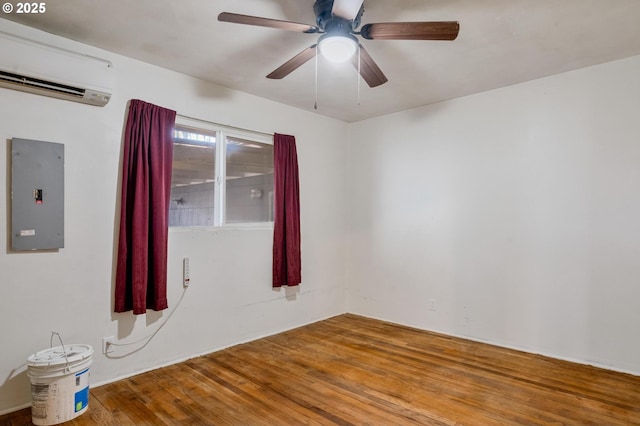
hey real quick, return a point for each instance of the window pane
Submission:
(193, 179)
(249, 181)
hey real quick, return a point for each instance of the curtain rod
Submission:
(224, 125)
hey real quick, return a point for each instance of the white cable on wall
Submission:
(145, 339)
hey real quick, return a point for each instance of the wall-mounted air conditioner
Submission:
(38, 68)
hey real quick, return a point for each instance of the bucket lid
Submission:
(55, 356)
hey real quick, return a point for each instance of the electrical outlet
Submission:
(186, 272)
(106, 343)
(432, 304)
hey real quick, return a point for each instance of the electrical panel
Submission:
(37, 195)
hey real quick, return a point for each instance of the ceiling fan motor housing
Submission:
(329, 23)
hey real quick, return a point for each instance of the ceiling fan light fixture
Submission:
(337, 47)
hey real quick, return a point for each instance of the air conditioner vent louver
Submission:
(39, 68)
(40, 84)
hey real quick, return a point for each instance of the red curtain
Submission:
(286, 226)
(141, 275)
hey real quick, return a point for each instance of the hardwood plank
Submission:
(351, 370)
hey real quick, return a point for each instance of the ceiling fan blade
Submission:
(293, 63)
(235, 18)
(347, 9)
(446, 30)
(369, 70)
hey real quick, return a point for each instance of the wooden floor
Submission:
(352, 370)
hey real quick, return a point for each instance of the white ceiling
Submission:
(501, 42)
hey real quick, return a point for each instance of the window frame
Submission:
(222, 132)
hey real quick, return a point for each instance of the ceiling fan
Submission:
(337, 22)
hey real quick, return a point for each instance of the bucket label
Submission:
(40, 398)
(82, 399)
(82, 390)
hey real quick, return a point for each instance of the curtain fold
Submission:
(286, 227)
(141, 274)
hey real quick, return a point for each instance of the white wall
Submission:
(230, 299)
(516, 210)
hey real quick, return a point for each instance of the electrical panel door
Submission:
(37, 195)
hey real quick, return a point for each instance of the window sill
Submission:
(229, 227)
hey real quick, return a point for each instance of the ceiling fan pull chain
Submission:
(315, 106)
(359, 69)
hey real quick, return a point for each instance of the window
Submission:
(220, 176)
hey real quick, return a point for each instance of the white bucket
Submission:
(59, 383)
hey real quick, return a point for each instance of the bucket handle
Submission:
(64, 350)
